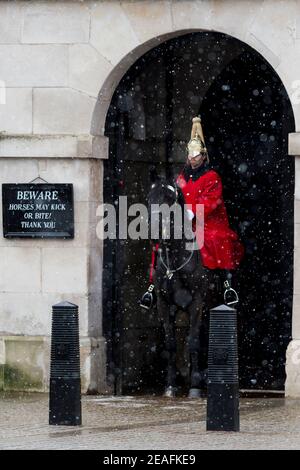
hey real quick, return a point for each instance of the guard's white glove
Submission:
(190, 214)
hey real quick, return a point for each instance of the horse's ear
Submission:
(153, 175)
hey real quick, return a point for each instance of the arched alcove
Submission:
(247, 117)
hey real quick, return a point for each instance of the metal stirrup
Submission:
(227, 290)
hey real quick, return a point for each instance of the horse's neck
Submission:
(175, 249)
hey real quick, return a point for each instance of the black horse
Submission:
(180, 283)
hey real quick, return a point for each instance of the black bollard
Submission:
(223, 382)
(65, 393)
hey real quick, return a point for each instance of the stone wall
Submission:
(60, 64)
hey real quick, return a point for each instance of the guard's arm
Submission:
(211, 196)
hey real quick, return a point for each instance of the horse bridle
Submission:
(170, 272)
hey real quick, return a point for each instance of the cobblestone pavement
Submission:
(147, 423)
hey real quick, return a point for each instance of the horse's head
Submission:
(162, 191)
(166, 207)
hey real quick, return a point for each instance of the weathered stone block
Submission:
(24, 363)
(12, 172)
(95, 289)
(88, 69)
(27, 364)
(2, 366)
(297, 271)
(297, 211)
(57, 146)
(111, 31)
(273, 17)
(148, 18)
(294, 138)
(231, 17)
(63, 146)
(296, 317)
(100, 147)
(298, 25)
(55, 22)
(93, 366)
(65, 270)
(25, 313)
(20, 269)
(76, 171)
(297, 178)
(10, 22)
(288, 71)
(191, 14)
(96, 180)
(297, 235)
(61, 111)
(2, 362)
(292, 384)
(2, 351)
(34, 65)
(16, 113)
(30, 314)
(92, 146)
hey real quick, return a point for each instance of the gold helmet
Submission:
(196, 144)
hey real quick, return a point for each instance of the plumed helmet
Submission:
(196, 144)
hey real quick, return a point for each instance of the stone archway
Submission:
(139, 28)
(192, 109)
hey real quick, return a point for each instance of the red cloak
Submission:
(222, 248)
